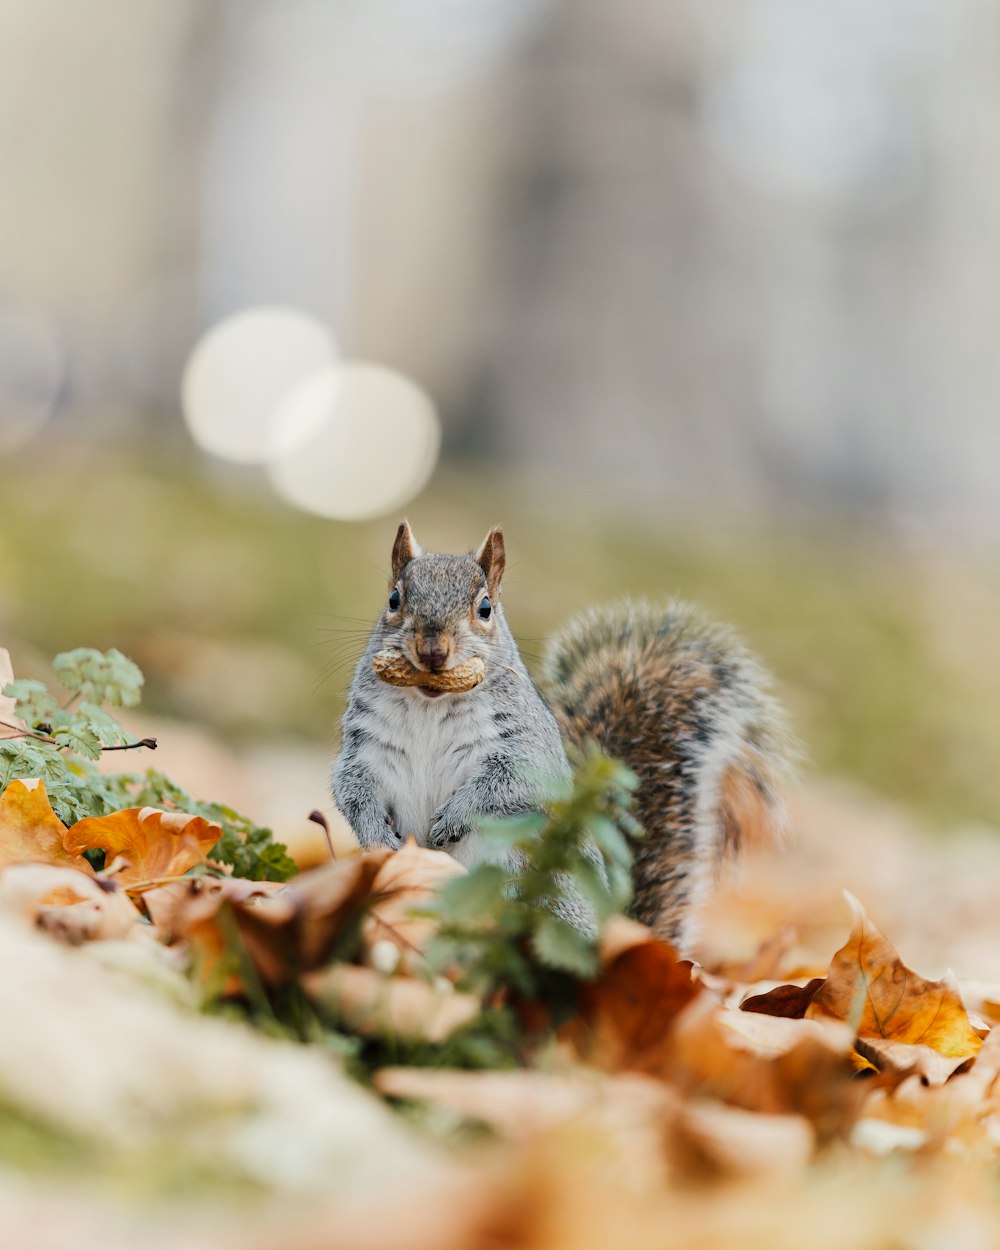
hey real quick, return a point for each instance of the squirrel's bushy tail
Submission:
(679, 700)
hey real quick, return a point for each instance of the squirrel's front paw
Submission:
(376, 829)
(390, 832)
(444, 833)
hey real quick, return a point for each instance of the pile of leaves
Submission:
(629, 1079)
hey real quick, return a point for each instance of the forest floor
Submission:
(127, 1117)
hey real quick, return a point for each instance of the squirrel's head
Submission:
(442, 609)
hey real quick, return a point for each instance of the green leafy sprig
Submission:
(530, 924)
(62, 738)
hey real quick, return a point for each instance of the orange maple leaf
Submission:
(31, 831)
(156, 844)
(896, 1005)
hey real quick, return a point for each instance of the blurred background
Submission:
(693, 298)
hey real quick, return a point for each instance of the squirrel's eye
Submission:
(485, 608)
(394, 600)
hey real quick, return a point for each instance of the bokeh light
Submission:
(240, 372)
(376, 446)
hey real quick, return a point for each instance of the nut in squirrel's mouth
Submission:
(394, 668)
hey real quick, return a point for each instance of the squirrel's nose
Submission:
(433, 655)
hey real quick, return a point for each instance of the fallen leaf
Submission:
(72, 905)
(624, 1016)
(784, 1000)
(285, 929)
(403, 883)
(702, 1138)
(955, 1112)
(301, 927)
(187, 910)
(519, 1104)
(774, 1035)
(30, 831)
(981, 1084)
(810, 1075)
(710, 1141)
(375, 1005)
(624, 1115)
(868, 977)
(903, 1059)
(178, 905)
(155, 843)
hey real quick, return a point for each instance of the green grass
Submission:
(247, 616)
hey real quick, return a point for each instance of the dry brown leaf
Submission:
(784, 1000)
(522, 1103)
(30, 831)
(895, 1004)
(285, 929)
(774, 1035)
(626, 1117)
(702, 1139)
(899, 1060)
(155, 843)
(957, 1112)
(187, 911)
(298, 929)
(405, 881)
(375, 1005)
(810, 1074)
(178, 905)
(624, 1016)
(710, 1141)
(981, 1084)
(73, 906)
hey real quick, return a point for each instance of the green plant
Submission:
(60, 740)
(514, 925)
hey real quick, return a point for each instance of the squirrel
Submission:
(673, 696)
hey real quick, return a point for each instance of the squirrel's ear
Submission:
(404, 549)
(491, 558)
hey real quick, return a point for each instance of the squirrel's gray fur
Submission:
(678, 699)
(673, 696)
(414, 765)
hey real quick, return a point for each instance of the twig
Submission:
(23, 732)
(139, 887)
(396, 935)
(318, 818)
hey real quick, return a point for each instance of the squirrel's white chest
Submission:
(437, 746)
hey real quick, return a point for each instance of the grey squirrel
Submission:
(670, 694)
